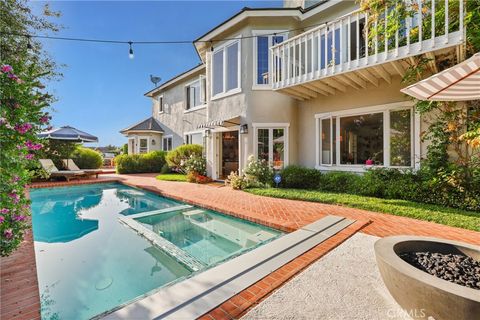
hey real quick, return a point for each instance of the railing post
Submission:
(446, 21)
(358, 38)
(326, 51)
(385, 38)
(340, 49)
(461, 15)
(349, 37)
(433, 23)
(366, 37)
(284, 70)
(420, 24)
(333, 47)
(396, 33)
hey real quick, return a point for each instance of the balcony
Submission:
(345, 53)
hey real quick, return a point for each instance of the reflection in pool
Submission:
(88, 262)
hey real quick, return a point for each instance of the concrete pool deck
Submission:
(19, 298)
(350, 269)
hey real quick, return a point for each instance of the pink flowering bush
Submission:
(23, 102)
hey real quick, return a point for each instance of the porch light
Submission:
(207, 133)
(244, 129)
(153, 142)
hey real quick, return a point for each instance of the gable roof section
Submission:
(242, 15)
(175, 79)
(150, 124)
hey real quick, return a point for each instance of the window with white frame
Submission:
(194, 138)
(167, 143)
(226, 69)
(272, 145)
(195, 93)
(160, 104)
(378, 137)
(262, 44)
(142, 145)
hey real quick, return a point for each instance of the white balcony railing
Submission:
(343, 45)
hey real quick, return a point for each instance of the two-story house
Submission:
(299, 85)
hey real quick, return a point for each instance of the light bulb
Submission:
(130, 51)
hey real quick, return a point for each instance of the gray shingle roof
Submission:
(150, 124)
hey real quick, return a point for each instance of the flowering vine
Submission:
(24, 67)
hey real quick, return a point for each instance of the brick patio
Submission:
(19, 294)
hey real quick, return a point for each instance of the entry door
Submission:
(229, 153)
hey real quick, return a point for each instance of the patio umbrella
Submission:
(458, 83)
(68, 133)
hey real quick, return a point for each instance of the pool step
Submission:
(163, 244)
(203, 292)
(153, 212)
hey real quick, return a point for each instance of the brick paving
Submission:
(19, 294)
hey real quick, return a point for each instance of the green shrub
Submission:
(86, 158)
(258, 173)
(177, 157)
(336, 181)
(236, 181)
(298, 177)
(196, 164)
(140, 163)
(165, 169)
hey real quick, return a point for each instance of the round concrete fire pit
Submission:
(420, 294)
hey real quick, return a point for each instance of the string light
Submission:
(131, 43)
(130, 51)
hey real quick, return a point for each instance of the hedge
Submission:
(86, 158)
(385, 183)
(140, 163)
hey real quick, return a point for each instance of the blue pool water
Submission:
(88, 262)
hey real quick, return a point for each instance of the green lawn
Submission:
(443, 215)
(172, 177)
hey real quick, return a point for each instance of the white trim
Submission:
(168, 136)
(138, 143)
(223, 48)
(270, 127)
(161, 106)
(269, 33)
(385, 110)
(271, 124)
(200, 107)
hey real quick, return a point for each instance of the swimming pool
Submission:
(100, 246)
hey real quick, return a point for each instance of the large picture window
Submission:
(383, 138)
(262, 54)
(271, 145)
(226, 69)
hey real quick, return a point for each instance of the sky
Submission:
(102, 90)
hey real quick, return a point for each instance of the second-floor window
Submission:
(160, 104)
(262, 43)
(195, 93)
(226, 69)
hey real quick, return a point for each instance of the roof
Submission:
(247, 9)
(150, 124)
(177, 78)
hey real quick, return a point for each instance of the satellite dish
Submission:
(155, 80)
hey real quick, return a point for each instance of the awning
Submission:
(230, 122)
(458, 83)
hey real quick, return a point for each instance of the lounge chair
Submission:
(72, 166)
(49, 166)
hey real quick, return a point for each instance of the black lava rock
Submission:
(456, 268)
